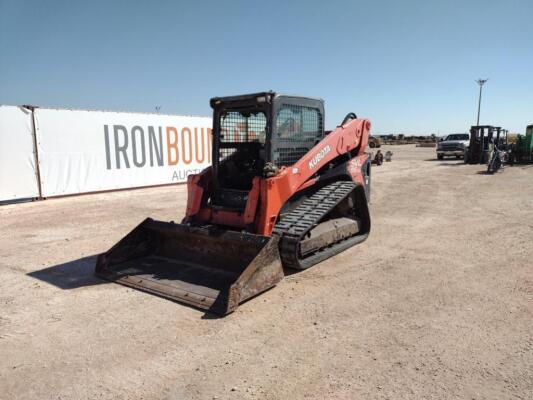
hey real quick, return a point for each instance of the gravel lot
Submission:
(436, 304)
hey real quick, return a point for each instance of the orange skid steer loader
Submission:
(281, 192)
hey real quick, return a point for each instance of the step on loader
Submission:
(281, 192)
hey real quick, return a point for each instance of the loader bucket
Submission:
(209, 268)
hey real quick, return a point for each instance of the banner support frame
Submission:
(35, 151)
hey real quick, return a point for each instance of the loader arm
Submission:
(345, 139)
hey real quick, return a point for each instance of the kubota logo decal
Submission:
(319, 156)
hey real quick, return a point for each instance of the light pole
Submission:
(480, 82)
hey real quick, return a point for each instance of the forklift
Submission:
(482, 141)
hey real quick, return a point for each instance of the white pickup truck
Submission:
(453, 145)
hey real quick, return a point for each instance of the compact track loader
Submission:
(281, 192)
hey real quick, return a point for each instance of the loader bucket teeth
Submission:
(206, 267)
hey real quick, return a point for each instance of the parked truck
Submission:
(453, 145)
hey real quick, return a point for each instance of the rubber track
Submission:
(293, 226)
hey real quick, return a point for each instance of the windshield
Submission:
(458, 136)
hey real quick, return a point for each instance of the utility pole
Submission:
(480, 82)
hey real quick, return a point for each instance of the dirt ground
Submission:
(436, 304)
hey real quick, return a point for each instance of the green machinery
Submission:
(522, 150)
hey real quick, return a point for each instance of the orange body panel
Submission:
(268, 195)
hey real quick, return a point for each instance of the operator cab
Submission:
(256, 135)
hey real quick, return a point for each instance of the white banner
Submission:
(87, 151)
(18, 179)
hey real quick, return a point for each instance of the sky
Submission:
(409, 66)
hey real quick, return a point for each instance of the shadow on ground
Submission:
(450, 163)
(70, 275)
(520, 166)
(80, 273)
